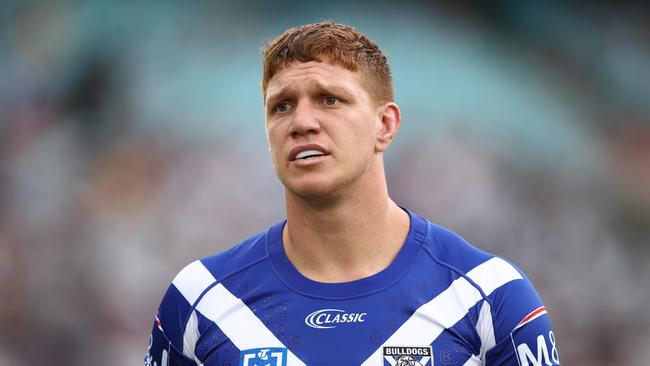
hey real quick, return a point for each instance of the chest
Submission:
(276, 328)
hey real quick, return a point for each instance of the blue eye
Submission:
(281, 107)
(331, 100)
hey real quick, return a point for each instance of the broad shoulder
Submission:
(202, 273)
(453, 251)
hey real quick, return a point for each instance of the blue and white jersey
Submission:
(440, 302)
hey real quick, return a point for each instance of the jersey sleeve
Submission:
(175, 333)
(523, 335)
(166, 339)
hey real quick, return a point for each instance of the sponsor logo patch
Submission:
(263, 357)
(535, 344)
(332, 318)
(408, 356)
(536, 349)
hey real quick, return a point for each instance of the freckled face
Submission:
(321, 126)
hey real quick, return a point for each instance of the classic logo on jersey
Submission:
(263, 357)
(408, 356)
(331, 318)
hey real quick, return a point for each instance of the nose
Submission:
(305, 120)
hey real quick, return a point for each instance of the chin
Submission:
(313, 189)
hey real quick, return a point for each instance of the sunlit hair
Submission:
(335, 43)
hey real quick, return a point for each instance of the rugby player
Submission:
(350, 277)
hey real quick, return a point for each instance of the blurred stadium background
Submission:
(132, 142)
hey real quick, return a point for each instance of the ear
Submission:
(390, 119)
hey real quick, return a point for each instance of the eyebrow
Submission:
(320, 87)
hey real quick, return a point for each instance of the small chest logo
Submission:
(263, 357)
(408, 356)
(332, 318)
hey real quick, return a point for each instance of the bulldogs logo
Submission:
(408, 356)
(407, 361)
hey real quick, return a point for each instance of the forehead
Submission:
(313, 74)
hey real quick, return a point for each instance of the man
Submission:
(349, 278)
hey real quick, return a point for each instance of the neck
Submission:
(348, 239)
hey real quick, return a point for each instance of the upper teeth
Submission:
(308, 153)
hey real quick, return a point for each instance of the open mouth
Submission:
(308, 154)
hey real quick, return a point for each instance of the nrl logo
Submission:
(408, 356)
(263, 357)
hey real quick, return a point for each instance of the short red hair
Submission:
(335, 43)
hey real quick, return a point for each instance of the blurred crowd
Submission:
(132, 142)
